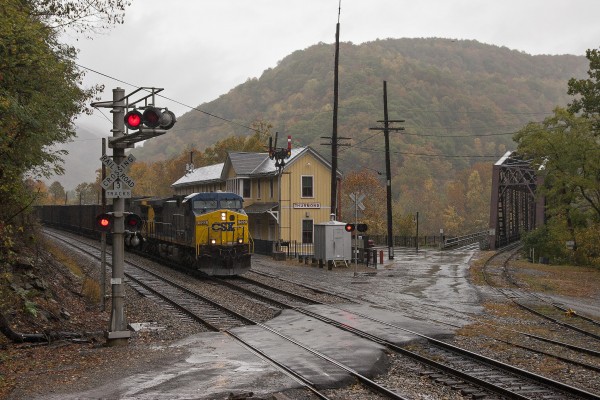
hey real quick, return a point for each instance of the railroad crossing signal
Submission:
(118, 177)
(151, 117)
(133, 222)
(361, 227)
(357, 199)
(349, 227)
(104, 222)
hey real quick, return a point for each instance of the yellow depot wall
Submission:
(294, 207)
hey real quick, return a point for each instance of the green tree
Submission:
(39, 92)
(566, 153)
(588, 90)
(87, 193)
(57, 192)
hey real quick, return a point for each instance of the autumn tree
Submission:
(367, 183)
(87, 193)
(155, 179)
(477, 204)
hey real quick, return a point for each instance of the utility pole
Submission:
(118, 333)
(335, 140)
(153, 122)
(417, 241)
(103, 236)
(386, 131)
(334, 134)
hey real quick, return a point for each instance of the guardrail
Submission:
(459, 241)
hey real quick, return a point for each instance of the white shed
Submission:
(332, 242)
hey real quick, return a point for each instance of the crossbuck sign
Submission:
(118, 177)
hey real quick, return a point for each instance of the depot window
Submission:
(246, 193)
(307, 231)
(307, 186)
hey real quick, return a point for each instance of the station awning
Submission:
(260, 208)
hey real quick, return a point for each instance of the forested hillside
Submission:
(461, 102)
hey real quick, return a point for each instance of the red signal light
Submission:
(104, 222)
(152, 117)
(349, 227)
(133, 119)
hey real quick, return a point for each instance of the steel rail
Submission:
(507, 367)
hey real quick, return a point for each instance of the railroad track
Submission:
(219, 318)
(499, 277)
(279, 297)
(469, 372)
(565, 352)
(507, 381)
(199, 308)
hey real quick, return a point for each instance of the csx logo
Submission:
(223, 226)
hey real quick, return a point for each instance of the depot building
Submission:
(282, 204)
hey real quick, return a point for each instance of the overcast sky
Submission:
(198, 50)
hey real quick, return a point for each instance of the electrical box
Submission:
(332, 241)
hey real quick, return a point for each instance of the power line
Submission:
(173, 100)
(430, 155)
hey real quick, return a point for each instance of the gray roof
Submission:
(257, 164)
(245, 165)
(208, 174)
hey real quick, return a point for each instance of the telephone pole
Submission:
(334, 134)
(386, 131)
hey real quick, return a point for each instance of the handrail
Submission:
(464, 240)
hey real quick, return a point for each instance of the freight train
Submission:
(207, 232)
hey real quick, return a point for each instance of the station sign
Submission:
(307, 205)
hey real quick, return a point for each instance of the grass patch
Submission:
(477, 268)
(91, 290)
(566, 280)
(64, 259)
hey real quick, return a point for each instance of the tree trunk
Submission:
(17, 337)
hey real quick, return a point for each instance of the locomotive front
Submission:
(223, 243)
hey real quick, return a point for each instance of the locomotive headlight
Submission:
(213, 241)
(223, 216)
(240, 241)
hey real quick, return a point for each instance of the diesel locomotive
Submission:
(207, 232)
(204, 231)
